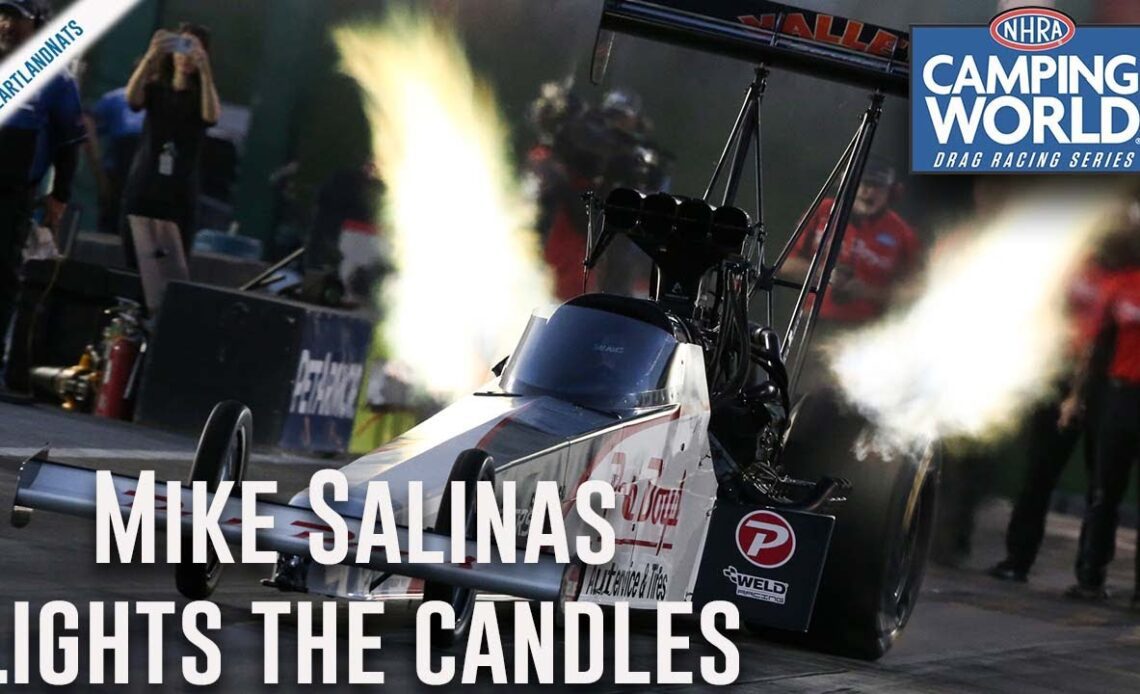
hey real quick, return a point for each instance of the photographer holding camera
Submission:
(174, 82)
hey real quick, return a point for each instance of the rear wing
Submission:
(777, 35)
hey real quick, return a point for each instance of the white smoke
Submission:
(461, 228)
(987, 333)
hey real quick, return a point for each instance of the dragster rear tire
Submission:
(877, 559)
(471, 466)
(222, 455)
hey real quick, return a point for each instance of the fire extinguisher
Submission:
(123, 344)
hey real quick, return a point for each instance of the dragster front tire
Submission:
(222, 455)
(471, 466)
(878, 552)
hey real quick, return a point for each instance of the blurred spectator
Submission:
(346, 244)
(44, 134)
(1118, 12)
(1007, 5)
(175, 84)
(582, 149)
(636, 162)
(292, 220)
(347, 198)
(880, 251)
(545, 173)
(1051, 443)
(119, 129)
(1118, 431)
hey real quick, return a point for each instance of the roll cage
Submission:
(701, 250)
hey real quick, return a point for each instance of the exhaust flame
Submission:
(460, 228)
(987, 334)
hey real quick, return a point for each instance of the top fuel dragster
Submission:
(731, 484)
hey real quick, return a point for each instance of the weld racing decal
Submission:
(757, 587)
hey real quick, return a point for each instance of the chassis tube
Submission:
(836, 230)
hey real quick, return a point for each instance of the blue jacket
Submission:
(34, 134)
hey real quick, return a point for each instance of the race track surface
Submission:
(969, 633)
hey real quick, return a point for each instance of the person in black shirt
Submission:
(174, 83)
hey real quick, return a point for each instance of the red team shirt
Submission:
(1121, 309)
(564, 251)
(881, 251)
(1085, 302)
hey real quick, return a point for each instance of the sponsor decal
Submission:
(1032, 29)
(1030, 92)
(766, 539)
(609, 349)
(649, 508)
(325, 387)
(650, 582)
(757, 587)
(827, 29)
(887, 239)
(1128, 312)
(327, 383)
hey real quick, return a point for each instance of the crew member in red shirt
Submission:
(880, 250)
(1051, 443)
(1118, 433)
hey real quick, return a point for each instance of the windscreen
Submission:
(592, 358)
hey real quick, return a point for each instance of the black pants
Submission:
(966, 479)
(1117, 447)
(1049, 450)
(16, 205)
(110, 204)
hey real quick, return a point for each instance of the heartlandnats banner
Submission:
(61, 40)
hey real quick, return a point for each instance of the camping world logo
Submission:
(1030, 92)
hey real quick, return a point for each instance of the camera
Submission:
(179, 44)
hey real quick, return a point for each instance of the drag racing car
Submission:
(731, 483)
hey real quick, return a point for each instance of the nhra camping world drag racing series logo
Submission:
(1032, 92)
(766, 539)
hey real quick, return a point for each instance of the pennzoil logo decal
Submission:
(766, 539)
(1030, 92)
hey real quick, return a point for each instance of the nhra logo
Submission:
(1032, 29)
(1027, 93)
(765, 539)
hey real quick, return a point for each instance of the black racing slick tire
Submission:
(471, 466)
(222, 455)
(877, 559)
